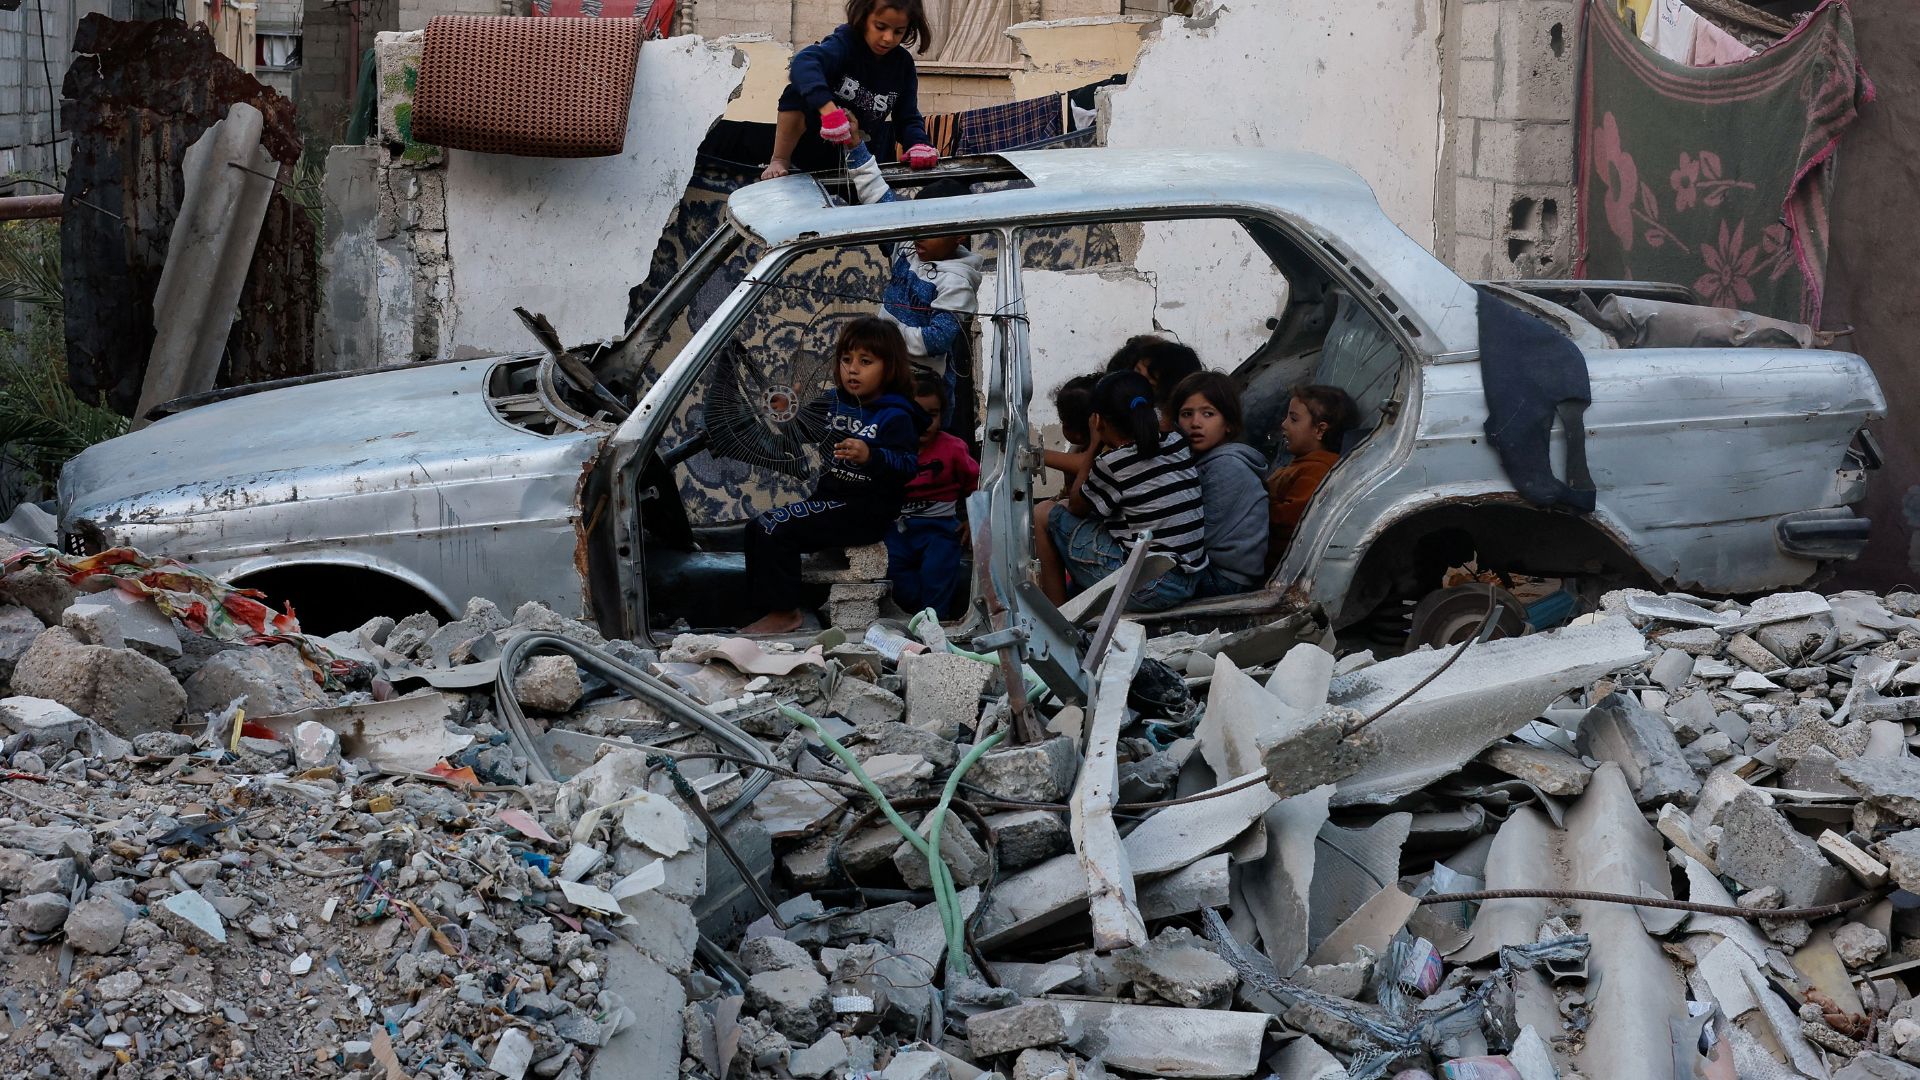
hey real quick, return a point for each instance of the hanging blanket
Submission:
(1716, 177)
(1017, 123)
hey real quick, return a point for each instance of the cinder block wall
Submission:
(1506, 193)
(36, 48)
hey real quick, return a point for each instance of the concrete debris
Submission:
(359, 882)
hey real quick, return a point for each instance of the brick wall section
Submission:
(30, 140)
(1507, 190)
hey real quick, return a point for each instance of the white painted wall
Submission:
(570, 237)
(1359, 83)
(1214, 288)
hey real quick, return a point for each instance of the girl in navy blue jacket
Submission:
(858, 83)
(872, 450)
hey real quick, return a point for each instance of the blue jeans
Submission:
(1212, 582)
(923, 562)
(1090, 552)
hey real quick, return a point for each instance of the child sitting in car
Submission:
(1318, 418)
(923, 546)
(1206, 407)
(1140, 480)
(933, 283)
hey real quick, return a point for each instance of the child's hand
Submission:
(836, 126)
(922, 156)
(854, 451)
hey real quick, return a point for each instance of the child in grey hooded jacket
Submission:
(1207, 412)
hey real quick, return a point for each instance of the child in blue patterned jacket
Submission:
(934, 281)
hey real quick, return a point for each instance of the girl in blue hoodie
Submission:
(871, 450)
(858, 82)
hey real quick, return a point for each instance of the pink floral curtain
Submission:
(1716, 177)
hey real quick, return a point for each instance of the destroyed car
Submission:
(1721, 470)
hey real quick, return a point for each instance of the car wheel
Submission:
(1451, 615)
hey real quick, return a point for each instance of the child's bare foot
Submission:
(775, 622)
(776, 168)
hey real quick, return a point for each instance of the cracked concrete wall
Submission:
(1359, 83)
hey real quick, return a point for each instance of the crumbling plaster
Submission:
(569, 237)
(1359, 83)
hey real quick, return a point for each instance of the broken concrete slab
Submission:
(1179, 967)
(1164, 1041)
(1892, 783)
(271, 681)
(1175, 837)
(1371, 927)
(123, 691)
(1621, 730)
(1489, 693)
(1759, 846)
(1549, 770)
(1023, 1026)
(1278, 885)
(650, 1046)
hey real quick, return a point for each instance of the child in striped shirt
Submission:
(1141, 479)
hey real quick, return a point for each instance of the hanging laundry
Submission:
(1714, 47)
(1716, 177)
(1016, 124)
(1635, 13)
(1669, 30)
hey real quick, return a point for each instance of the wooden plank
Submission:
(1110, 895)
(1865, 869)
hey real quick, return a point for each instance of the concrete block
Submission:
(1480, 26)
(964, 856)
(1022, 1027)
(1474, 207)
(1477, 94)
(124, 691)
(651, 1045)
(1760, 847)
(943, 691)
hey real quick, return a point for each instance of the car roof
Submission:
(1324, 199)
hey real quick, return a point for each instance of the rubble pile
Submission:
(1676, 836)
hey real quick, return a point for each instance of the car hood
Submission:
(380, 431)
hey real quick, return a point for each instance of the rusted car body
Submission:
(1719, 470)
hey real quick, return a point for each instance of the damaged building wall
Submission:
(1505, 203)
(433, 249)
(1358, 83)
(569, 238)
(1062, 55)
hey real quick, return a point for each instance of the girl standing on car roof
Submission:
(872, 451)
(859, 81)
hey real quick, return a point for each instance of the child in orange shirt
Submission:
(1317, 419)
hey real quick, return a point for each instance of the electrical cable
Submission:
(640, 685)
(1756, 914)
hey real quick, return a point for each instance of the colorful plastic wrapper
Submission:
(1421, 969)
(201, 603)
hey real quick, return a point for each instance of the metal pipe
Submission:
(21, 207)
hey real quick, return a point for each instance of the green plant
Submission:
(42, 421)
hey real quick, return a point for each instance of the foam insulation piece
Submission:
(1492, 691)
(569, 238)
